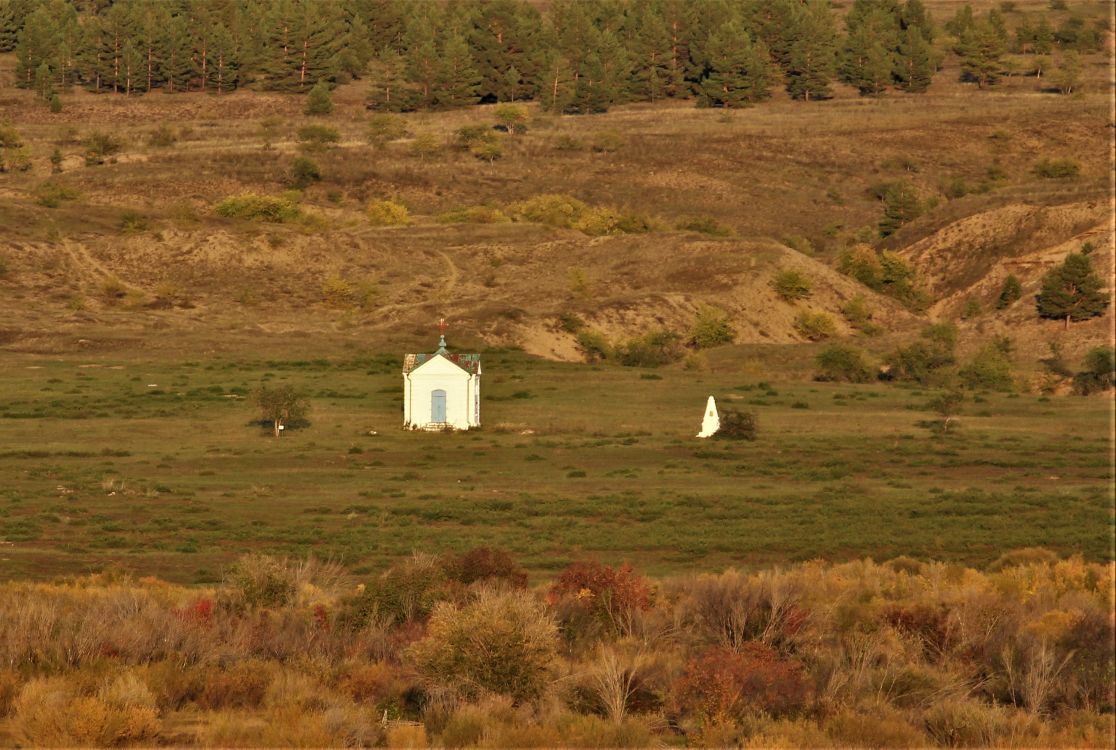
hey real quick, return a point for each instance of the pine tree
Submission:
(915, 62)
(13, 14)
(38, 41)
(812, 60)
(650, 55)
(43, 84)
(457, 81)
(981, 50)
(423, 61)
(389, 90)
(1043, 37)
(178, 65)
(1072, 291)
(1067, 76)
(556, 82)
(504, 41)
(318, 101)
(740, 70)
(1011, 291)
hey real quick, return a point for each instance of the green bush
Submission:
(845, 364)
(1057, 169)
(313, 136)
(304, 172)
(488, 151)
(318, 102)
(255, 207)
(52, 194)
(162, 137)
(1010, 291)
(792, 285)
(133, 222)
(9, 137)
(388, 213)
(703, 225)
(989, 369)
(712, 328)
(1099, 373)
(901, 205)
(512, 118)
(474, 215)
(815, 326)
(55, 104)
(593, 345)
(100, 145)
(383, 128)
(737, 425)
(926, 360)
(651, 350)
(859, 313)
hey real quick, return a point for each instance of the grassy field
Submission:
(155, 467)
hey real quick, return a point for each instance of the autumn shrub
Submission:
(723, 685)
(259, 581)
(484, 564)
(501, 642)
(162, 137)
(593, 345)
(511, 118)
(551, 209)
(303, 173)
(255, 207)
(599, 221)
(174, 684)
(1024, 556)
(50, 712)
(52, 194)
(792, 285)
(240, 685)
(843, 364)
(593, 599)
(594, 731)
(876, 729)
(966, 722)
(380, 684)
(406, 734)
(859, 314)
(384, 128)
(1058, 169)
(388, 213)
(815, 326)
(474, 215)
(99, 146)
(406, 592)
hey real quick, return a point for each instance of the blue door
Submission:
(438, 406)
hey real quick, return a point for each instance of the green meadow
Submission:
(160, 469)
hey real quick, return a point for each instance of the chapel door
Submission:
(438, 406)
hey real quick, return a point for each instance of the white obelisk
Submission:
(711, 422)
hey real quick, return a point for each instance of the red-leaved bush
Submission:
(610, 596)
(723, 685)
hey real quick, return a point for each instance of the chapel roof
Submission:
(470, 363)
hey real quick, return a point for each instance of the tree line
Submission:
(572, 57)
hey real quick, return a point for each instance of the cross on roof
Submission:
(442, 326)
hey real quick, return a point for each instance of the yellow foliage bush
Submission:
(49, 713)
(387, 213)
(408, 734)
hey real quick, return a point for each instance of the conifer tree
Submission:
(318, 101)
(981, 50)
(1072, 291)
(457, 79)
(740, 70)
(812, 61)
(389, 90)
(915, 62)
(37, 42)
(178, 65)
(556, 82)
(1067, 76)
(13, 15)
(423, 61)
(650, 55)
(504, 41)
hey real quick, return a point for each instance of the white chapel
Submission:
(441, 390)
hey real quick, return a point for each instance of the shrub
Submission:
(51, 713)
(859, 313)
(162, 137)
(240, 685)
(966, 722)
(383, 128)
(511, 118)
(901, 205)
(1057, 169)
(593, 345)
(651, 350)
(501, 642)
(256, 581)
(845, 364)
(592, 597)
(315, 137)
(792, 285)
(552, 209)
(989, 369)
(255, 207)
(303, 172)
(132, 222)
(318, 102)
(404, 593)
(484, 564)
(9, 137)
(815, 326)
(337, 291)
(712, 328)
(799, 243)
(1010, 291)
(925, 360)
(1099, 373)
(488, 151)
(99, 146)
(51, 194)
(724, 685)
(704, 225)
(474, 215)
(424, 145)
(388, 213)
(737, 425)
